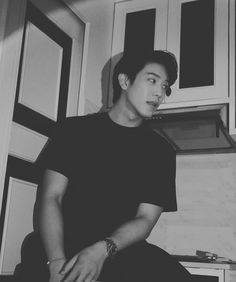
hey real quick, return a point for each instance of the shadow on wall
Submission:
(106, 82)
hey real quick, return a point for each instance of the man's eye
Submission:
(165, 86)
(152, 80)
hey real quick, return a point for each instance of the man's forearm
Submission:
(138, 228)
(131, 232)
(51, 229)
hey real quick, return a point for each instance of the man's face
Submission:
(148, 90)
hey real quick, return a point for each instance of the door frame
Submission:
(12, 17)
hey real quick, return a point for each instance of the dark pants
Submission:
(141, 262)
(144, 262)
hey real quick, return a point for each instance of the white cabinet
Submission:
(198, 35)
(196, 32)
(123, 9)
(212, 271)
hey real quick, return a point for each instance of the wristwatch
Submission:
(111, 247)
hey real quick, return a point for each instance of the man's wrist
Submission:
(54, 266)
(55, 260)
(101, 248)
(111, 247)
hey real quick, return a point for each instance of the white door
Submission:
(46, 72)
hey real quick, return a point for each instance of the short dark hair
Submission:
(131, 64)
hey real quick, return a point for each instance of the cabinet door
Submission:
(138, 24)
(198, 35)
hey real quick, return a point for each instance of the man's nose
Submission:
(159, 93)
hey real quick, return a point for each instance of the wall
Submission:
(99, 14)
(206, 217)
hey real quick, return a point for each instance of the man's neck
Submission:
(120, 115)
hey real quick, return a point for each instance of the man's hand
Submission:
(86, 266)
(54, 270)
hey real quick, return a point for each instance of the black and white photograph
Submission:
(117, 141)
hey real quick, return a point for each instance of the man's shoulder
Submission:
(88, 119)
(77, 126)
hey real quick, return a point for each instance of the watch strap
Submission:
(111, 247)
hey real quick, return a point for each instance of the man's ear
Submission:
(123, 81)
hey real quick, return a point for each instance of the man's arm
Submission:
(88, 263)
(52, 191)
(139, 228)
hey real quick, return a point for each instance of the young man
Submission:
(108, 179)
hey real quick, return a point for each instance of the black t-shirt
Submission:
(111, 170)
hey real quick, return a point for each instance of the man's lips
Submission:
(155, 104)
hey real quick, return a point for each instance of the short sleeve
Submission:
(160, 186)
(55, 154)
